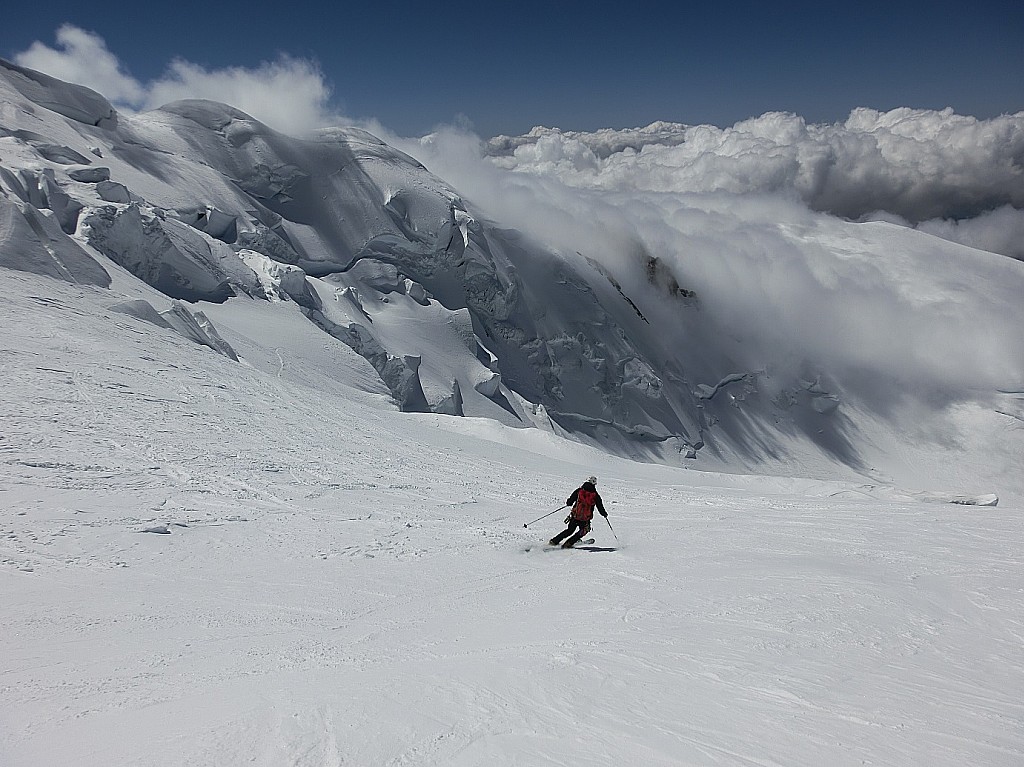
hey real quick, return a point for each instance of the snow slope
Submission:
(238, 523)
(211, 562)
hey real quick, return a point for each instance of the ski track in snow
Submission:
(344, 584)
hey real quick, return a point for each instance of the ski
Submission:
(548, 547)
(584, 542)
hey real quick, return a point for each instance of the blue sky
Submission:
(580, 66)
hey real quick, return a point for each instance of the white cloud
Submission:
(83, 58)
(918, 164)
(289, 94)
(952, 172)
(602, 143)
(998, 231)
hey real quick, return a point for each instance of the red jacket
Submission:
(583, 500)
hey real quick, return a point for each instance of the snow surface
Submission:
(337, 582)
(239, 524)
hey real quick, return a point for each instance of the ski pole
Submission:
(612, 529)
(538, 519)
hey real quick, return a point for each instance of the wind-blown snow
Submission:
(83, 58)
(195, 183)
(998, 231)
(609, 312)
(289, 93)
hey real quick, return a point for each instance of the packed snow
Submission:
(276, 412)
(211, 562)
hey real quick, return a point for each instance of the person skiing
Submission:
(582, 501)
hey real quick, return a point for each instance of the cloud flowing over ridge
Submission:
(289, 94)
(782, 287)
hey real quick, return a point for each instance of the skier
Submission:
(582, 501)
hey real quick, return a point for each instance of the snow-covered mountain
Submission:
(749, 336)
(456, 314)
(241, 522)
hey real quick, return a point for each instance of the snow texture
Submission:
(263, 563)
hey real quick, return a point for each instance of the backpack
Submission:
(583, 509)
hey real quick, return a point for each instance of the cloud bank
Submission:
(918, 164)
(289, 94)
(998, 231)
(952, 175)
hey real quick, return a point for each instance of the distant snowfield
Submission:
(210, 562)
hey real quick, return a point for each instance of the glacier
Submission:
(207, 205)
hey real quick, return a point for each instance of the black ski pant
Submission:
(582, 527)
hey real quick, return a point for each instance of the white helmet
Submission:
(592, 480)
